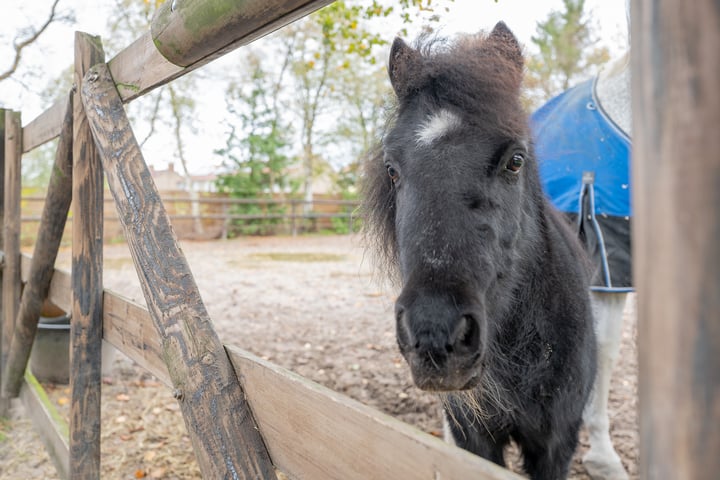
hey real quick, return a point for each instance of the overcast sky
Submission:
(53, 53)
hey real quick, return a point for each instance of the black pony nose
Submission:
(438, 338)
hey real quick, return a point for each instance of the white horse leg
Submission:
(601, 461)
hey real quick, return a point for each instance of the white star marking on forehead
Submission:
(437, 125)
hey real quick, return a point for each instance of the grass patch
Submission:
(309, 257)
(4, 429)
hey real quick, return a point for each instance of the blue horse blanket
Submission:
(584, 161)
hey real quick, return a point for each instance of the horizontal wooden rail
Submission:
(310, 431)
(227, 201)
(229, 216)
(45, 127)
(217, 213)
(314, 432)
(52, 428)
(188, 32)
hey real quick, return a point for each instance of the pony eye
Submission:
(515, 163)
(392, 173)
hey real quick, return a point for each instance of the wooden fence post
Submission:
(11, 230)
(87, 283)
(222, 429)
(50, 232)
(225, 221)
(4, 403)
(676, 227)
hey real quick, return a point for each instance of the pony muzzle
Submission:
(443, 353)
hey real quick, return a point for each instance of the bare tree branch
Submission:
(19, 44)
(153, 117)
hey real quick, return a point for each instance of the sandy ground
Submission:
(310, 304)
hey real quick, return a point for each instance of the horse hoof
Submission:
(604, 466)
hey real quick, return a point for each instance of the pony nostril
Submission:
(405, 336)
(466, 336)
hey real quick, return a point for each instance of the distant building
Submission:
(203, 183)
(171, 180)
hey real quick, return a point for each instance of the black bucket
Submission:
(50, 356)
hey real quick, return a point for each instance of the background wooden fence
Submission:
(218, 216)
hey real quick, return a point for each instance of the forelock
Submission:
(437, 125)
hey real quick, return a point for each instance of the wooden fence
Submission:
(246, 418)
(215, 216)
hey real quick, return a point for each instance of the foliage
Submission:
(352, 221)
(256, 162)
(362, 105)
(330, 58)
(569, 52)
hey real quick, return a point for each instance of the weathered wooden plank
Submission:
(226, 445)
(44, 127)
(140, 68)
(59, 292)
(676, 194)
(187, 32)
(313, 432)
(128, 327)
(49, 424)
(52, 225)
(11, 233)
(87, 286)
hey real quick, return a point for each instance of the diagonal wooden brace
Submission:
(52, 225)
(221, 426)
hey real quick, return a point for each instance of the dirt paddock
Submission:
(310, 304)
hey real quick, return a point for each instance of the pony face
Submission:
(459, 171)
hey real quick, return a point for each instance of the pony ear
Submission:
(404, 60)
(508, 43)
